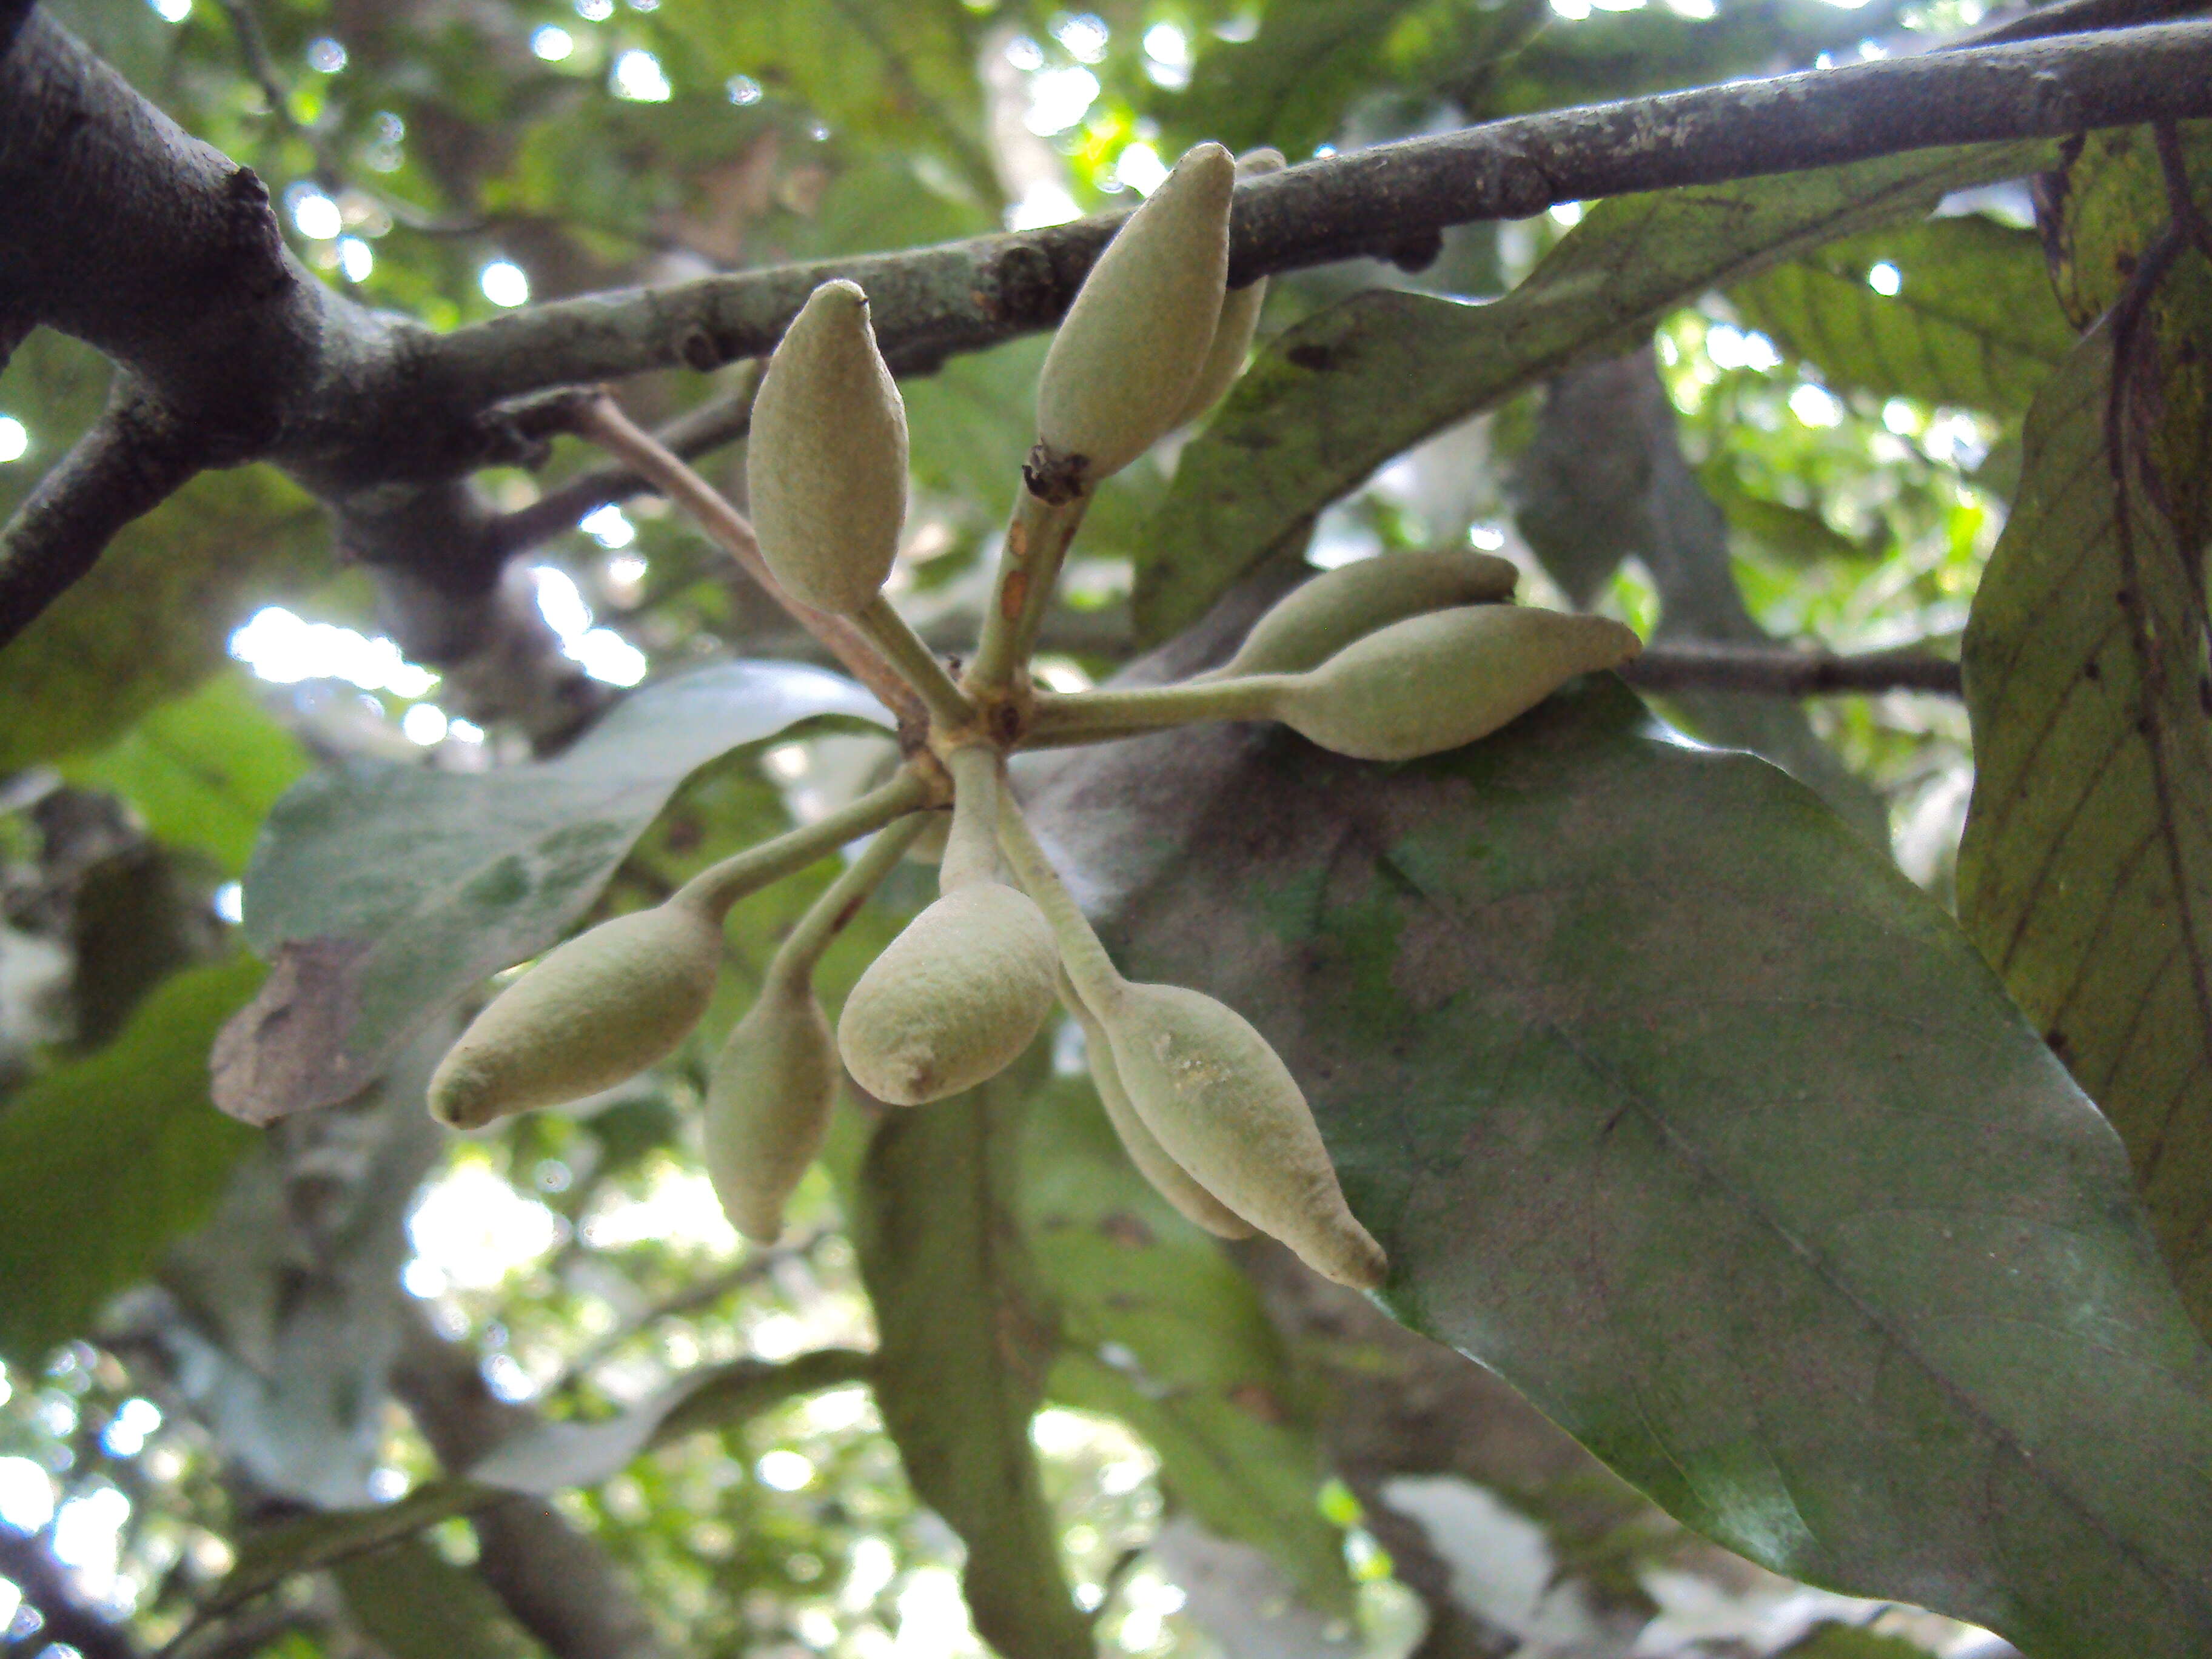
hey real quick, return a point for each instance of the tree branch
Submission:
(1385, 201)
(1788, 671)
(64, 1617)
(130, 461)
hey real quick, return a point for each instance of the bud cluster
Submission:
(1398, 657)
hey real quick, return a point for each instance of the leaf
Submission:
(1830, 1641)
(1159, 1329)
(381, 892)
(105, 1160)
(964, 1353)
(203, 771)
(155, 614)
(2086, 870)
(2100, 206)
(1332, 398)
(1691, 1117)
(414, 1604)
(1972, 321)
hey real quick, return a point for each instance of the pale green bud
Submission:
(1438, 681)
(601, 1008)
(767, 1104)
(1240, 316)
(1224, 1106)
(1320, 617)
(953, 1000)
(826, 463)
(1122, 366)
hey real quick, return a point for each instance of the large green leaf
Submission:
(2086, 870)
(203, 771)
(1159, 1329)
(1693, 1118)
(382, 892)
(964, 1347)
(1332, 399)
(104, 1161)
(1972, 320)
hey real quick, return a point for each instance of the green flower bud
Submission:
(954, 1000)
(767, 1104)
(1437, 681)
(826, 463)
(1240, 316)
(1315, 620)
(602, 1007)
(1169, 1178)
(1226, 1107)
(1125, 360)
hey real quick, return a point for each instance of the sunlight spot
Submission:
(15, 439)
(1566, 214)
(551, 42)
(638, 78)
(1736, 348)
(787, 761)
(1047, 204)
(464, 731)
(609, 527)
(425, 724)
(932, 1618)
(475, 1230)
(127, 1432)
(317, 215)
(1885, 279)
(595, 11)
(560, 603)
(785, 1471)
(278, 646)
(1059, 98)
(355, 259)
(504, 284)
(172, 11)
(1487, 536)
(1140, 169)
(1573, 10)
(1084, 37)
(87, 1534)
(1025, 54)
(606, 655)
(229, 902)
(742, 89)
(26, 1494)
(1816, 406)
(327, 56)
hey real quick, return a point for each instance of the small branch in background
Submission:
(603, 421)
(704, 1294)
(723, 420)
(1787, 672)
(65, 1618)
(128, 463)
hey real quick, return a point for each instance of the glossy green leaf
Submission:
(1158, 1328)
(382, 892)
(965, 1349)
(1690, 1116)
(2086, 870)
(103, 1161)
(1972, 321)
(203, 771)
(1332, 399)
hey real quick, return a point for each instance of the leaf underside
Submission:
(381, 893)
(1691, 1118)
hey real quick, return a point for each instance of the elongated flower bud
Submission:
(1125, 360)
(601, 1008)
(1319, 618)
(1433, 683)
(826, 464)
(1226, 1107)
(953, 1000)
(767, 1104)
(1169, 1178)
(1240, 316)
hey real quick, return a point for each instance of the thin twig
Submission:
(1788, 671)
(2174, 166)
(603, 421)
(703, 1294)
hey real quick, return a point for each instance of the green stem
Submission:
(1037, 538)
(948, 707)
(718, 887)
(1089, 969)
(1085, 716)
(802, 948)
(971, 847)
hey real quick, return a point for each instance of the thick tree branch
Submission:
(1389, 200)
(1787, 672)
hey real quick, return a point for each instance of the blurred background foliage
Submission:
(1217, 1437)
